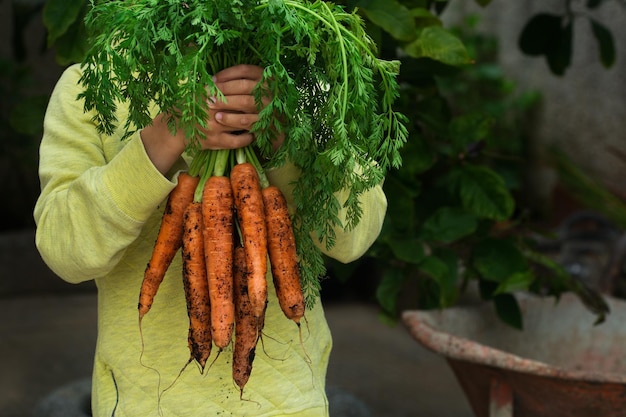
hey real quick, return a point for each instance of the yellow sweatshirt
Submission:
(97, 218)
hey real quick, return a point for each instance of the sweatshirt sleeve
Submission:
(349, 244)
(96, 191)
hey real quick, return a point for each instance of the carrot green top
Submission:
(97, 218)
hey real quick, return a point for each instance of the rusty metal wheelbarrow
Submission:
(559, 365)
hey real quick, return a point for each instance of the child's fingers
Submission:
(240, 86)
(243, 71)
(234, 103)
(227, 139)
(240, 121)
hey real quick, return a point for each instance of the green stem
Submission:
(221, 162)
(197, 163)
(252, 158)
(344, 59)
(206, 171)
(336, 26)
(240, 156)
(342, 31)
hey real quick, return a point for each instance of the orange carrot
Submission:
(246, 328)
(196, 285)
(281, 245)
(251, 218)
(169, 240)
(217, 213)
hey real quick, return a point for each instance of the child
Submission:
(97, 218)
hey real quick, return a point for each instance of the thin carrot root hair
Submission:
(219, 352)
(141, 361)
(171, 385)
(306, 322)
(262, 340)
(263, 334)
(307, 358)
(241, 398)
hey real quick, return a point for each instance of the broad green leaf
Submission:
(389, 288)
(558, 281)
(71, 47)
(592, 299)
(434, 268)
(507, 309)
(482, 192)
(545, 34)
(59, 15)
(540, 34)
(498, 260)
(559, 57)
(407, 250)
(468, 129)
(449, 224)
(419, 158)
(438, 44)
(443, 269)
(518, 281)
(605, 41)
(424, 17)
(392, 16)
(556, 278)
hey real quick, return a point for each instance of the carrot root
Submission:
(217, 213)
(246, 327)
(251, 217)
(282, 253)
(168, 241)
(196, 285)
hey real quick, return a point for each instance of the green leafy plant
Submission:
(453, 217)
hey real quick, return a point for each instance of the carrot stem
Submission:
(240, 156)
(206, 167)
(221, 162)
(252, 158)
(198, 162)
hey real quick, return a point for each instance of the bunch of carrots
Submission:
(227, 220)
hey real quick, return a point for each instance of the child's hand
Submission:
(229, 120)
(232, 118)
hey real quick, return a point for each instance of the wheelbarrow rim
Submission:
(421, 326)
